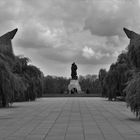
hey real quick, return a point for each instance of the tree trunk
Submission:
(3, 100)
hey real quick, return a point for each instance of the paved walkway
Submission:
(69, 119)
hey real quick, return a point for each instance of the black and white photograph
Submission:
(69, 69)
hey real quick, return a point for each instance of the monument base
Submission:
(74, 87)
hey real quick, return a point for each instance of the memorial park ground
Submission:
(69, 118)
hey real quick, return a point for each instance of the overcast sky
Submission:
(55, 33)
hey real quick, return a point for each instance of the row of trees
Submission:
(115, 80)
(59, 85)
(19, 81)
(123, 77)
(55, 85)
(90, 84)
(30, 83)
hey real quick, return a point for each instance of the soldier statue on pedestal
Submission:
(74, 86)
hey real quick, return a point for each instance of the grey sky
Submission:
(54, 33)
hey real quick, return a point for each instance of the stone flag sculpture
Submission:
(5, 42)
(7, 60)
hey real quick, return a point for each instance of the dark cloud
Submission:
(107, 18)
(62, 31)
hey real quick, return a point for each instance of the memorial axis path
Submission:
(74, 118)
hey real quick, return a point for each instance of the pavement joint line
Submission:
(68, 121)
(82, 121)
(40, 121)
(110, 123)
(123, 122)
(24, 124)
(69, 118)
(95, 121)
(55, 120)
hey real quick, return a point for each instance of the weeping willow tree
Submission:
(6, 84)
(133, 87)
(102, 76)
(133, 94)
(32, 80)
(18, 68)
(123, 69)
(115, 79)
(111, 82)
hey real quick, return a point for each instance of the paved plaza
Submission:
(73, 118)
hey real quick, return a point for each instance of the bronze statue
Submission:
(74, 71)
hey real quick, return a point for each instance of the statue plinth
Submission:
(74, 87)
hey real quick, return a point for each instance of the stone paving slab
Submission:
(64, 118)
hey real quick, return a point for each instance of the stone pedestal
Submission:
(74, 87)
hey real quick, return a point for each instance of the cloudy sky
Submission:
(55, 33)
